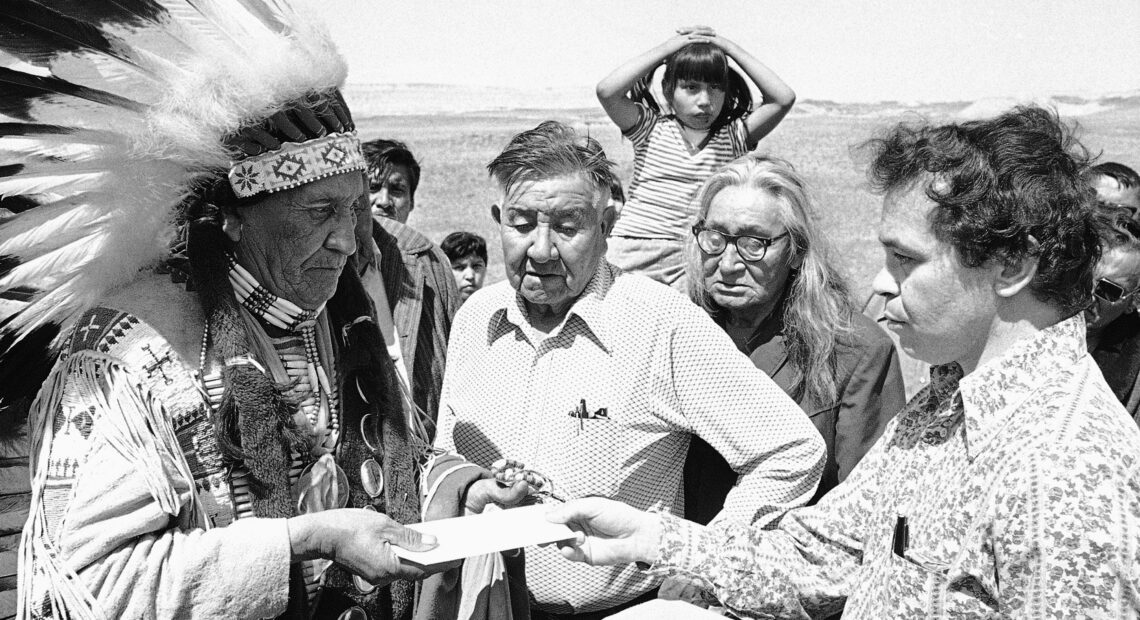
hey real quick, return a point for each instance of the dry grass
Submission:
(455, 193)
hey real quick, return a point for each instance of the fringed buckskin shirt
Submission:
(605, 404)
(1019, 489)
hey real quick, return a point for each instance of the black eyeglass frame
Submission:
(766, 242)
(1121, 293)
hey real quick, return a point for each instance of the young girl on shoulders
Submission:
(710, 124)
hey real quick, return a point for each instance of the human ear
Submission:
(495, 214)
(1013, 276)
(231, 224)
(797, 259)
(609, 216)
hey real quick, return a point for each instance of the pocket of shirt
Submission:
(912, 586)
(594, 448)
(925, 561)
(589, 427)
(926, 586)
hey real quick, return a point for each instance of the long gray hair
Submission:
(817, 306)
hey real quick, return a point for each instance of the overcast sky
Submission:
(860, 50)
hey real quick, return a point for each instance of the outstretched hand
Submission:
(361, 541)
(609, 532)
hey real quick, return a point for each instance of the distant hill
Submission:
(369, 100)
(1066, 105)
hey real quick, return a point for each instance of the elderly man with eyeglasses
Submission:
(761, 268)
(1113, 324)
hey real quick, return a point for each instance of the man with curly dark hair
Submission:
(1009, 487)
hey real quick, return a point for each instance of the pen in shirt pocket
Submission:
(582, 412)
(900, 546)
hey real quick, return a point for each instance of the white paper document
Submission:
(494, 530)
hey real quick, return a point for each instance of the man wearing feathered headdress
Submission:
(206, 449)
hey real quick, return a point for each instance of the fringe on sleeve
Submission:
(132, 423)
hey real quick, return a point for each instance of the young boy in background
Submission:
(468, 255)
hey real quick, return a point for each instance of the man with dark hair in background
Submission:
(393, 176)
(1010, 486)
(406, 275)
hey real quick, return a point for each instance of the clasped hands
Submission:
(701, 34)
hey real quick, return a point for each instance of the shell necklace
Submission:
(284, 314)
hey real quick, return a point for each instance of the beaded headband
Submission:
(296, 163)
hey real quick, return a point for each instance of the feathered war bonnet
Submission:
(114, 114)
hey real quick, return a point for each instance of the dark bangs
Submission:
(701, 62)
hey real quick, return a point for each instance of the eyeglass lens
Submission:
(1109, 291)
(750, 248)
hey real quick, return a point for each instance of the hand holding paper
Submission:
(363, 541)
(493, 530)
(607, 532)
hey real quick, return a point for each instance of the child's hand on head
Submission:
(691, 34)
(697, 30)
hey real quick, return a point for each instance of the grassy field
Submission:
(455, 193)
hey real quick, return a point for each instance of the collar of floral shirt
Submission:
(992, 393)
(589, 307)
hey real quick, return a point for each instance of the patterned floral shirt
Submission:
(1018, 486)
(605, 405)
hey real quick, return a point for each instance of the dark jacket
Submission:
(870, 393)
(1118, 355)
(422, 298)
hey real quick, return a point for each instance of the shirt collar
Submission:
(991, 394)
(589, 309)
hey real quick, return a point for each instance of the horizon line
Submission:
(818, 100)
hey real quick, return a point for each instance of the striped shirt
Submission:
(1019, 488)
(648, 368)
(666, 176)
